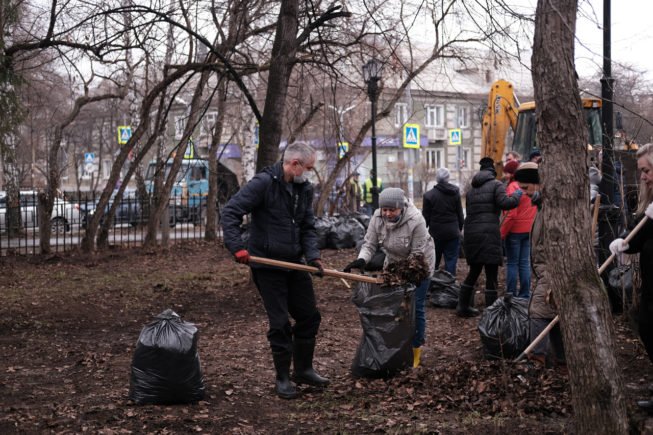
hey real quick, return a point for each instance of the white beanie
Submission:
(442, 175)
(392, 197)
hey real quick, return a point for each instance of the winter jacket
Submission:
(518, 220)
(541, 305)
(642, 243)
(282, 223)
(399, 240)
(443, 211)
(485, 200)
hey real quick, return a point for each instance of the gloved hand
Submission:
(617, 246)
(242, 256)
(320, 269)
(359, 263)
(649, 211)
(517, 194)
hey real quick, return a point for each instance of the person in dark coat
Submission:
(642, 243)
(282, 228)
(443, 212)
(482, 236)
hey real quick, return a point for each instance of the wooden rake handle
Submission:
(327, 272)
(604, 266)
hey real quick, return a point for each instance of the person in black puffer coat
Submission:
(482, 239)
(443, 213)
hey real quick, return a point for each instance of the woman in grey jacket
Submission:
(399, 229)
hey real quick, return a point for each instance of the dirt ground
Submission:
(69, 326)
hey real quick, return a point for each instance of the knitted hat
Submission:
(442, 175)
(534, 153)
(511, 167)
(527, 173)
(392, 197)
(486, 163)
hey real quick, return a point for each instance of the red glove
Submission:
(242, 256)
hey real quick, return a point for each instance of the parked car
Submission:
(64, 213)
(128, 210)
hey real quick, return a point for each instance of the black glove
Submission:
(320, 269)
(359, 263)
(536, 199)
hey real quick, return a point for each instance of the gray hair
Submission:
(645, 194)
(300, 151)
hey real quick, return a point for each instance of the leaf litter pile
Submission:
(69, 327)
(413, 269)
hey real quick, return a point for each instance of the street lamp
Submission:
(372, 76)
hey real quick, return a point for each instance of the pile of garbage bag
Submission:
(166, 365)
(387, 315)
(444, 290)
(504, 328)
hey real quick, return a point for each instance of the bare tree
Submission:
(597, 390)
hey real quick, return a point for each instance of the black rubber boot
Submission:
(465, 306)
(303, 360)
(283, 387)
(490, 297)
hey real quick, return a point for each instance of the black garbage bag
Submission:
(322, 228)
(345, 233)
(444, 290)
(376, 262)
(166, 365)
(620, 283)
(362, 218)
(504, 328)
(387, 316)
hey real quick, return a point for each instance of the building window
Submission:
(180, 125)
(463, 117)
(434, 158)
(401, 114)
(434, 115)
(208, 123)
(466, 159)
(106, 169)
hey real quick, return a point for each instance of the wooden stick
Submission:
(311, 269)
(344, 281)
(555, 320)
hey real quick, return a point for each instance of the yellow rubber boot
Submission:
(417, 353)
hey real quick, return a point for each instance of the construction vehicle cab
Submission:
(525, 139)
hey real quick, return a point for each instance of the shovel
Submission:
(556, 319)
(327, 272)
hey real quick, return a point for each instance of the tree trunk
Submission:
(281, 64)
(597, 391)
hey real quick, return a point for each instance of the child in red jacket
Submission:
(515, 231)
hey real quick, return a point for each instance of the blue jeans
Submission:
(450, 249)
(518, 262)
(420, 313)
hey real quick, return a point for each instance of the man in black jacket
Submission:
(279, 199)
(443, 212)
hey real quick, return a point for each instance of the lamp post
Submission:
(372, 76)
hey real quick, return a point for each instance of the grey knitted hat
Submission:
(442, 174)
(392, 197)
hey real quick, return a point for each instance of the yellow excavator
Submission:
(504, 114)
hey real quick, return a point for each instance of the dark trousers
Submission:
(287, 292)
(645, 321)
(491, 275)
(552, 344)
(450, 249)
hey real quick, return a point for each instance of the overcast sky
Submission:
(632, 35)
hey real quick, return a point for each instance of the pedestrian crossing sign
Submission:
(455, 136)
(124, 134)
(411, 136)
(343, 148)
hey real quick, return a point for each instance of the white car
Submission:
(64, 214)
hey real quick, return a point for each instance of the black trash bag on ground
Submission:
(166, 365)
(504, 328)
(444, 290)
(362, 218)
(387, 316)
(322, 228)
(620, 283)
(345, 233)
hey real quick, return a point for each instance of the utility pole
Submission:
(609, 212)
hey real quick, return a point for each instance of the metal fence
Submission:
(72, 212)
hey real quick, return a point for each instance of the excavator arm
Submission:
(500, 115)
